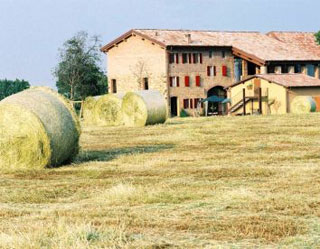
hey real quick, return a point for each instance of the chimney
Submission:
(188, 36)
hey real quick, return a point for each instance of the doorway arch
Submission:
(216, 108)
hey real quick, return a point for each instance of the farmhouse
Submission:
(272, 93)
(187, 66)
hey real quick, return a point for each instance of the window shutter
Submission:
(177, 81)
(197, 80)
(224, 70)
(208, 71)
(177, 58)
(200, 57)
(187, 81)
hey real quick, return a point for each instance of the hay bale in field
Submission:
(38, 128)
(88, 110)
(144, 108)
(303, 104)
(107, 110)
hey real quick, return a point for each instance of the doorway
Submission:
(174, 106)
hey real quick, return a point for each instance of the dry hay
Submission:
(144, 108)
(38, 128)
(88, 110)
(303, 104)
(107, 110)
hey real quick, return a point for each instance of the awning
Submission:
(215, 99)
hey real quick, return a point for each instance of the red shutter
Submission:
(170, 80)
(214, 70)
(190, 58)
(178, 81)
(200, 57)
(208, 71)
(191, 103)
(197, 80)
(187, 81)
(224, 70)
(177, 58)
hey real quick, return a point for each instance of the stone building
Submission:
(187, 66)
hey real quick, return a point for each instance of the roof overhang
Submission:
(249, 57)
(127, 35)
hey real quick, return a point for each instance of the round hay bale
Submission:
(38, 128)
(107, 110)
(303, 104)
(88, 110)
(144, 108)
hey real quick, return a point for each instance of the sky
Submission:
(32, 31)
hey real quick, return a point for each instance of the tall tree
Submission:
(317, 35)
(78, 72)
(9, 87)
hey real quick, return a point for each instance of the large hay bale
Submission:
(107, 110)
(38, 128)
(88, 110)
(303, 104)
(144, 108)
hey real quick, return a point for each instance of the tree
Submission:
(9, 87)
(78, 73)
(317, 35)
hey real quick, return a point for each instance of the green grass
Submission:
(221, 182)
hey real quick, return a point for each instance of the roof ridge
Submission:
(202, 30)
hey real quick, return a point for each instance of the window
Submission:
(174, 81)
(224, 70)
(198, 80)
(310, 70)
(211, 71)
(171, 58)
(186, 103)
(195, 58)
(114, 86)
(223, 54)
(297, 68)
(177, 58)
(210, 54)
(184, 58)
(190, 58)
(191, 103)
(196, 101)
(187, 81)
(146, 83)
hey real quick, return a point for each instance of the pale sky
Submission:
(33, 30)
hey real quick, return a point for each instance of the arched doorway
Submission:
(216, 108)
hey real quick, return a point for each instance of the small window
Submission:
(174, 81)
(223, 54)
(210, 71)
(186, 103)
(171, 58)
(195, 58)
(184, 58)
(191, 103)
(114, 86)
(146, 83)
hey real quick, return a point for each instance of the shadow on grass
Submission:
(108, 155)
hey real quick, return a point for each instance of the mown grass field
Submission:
(223, 182)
